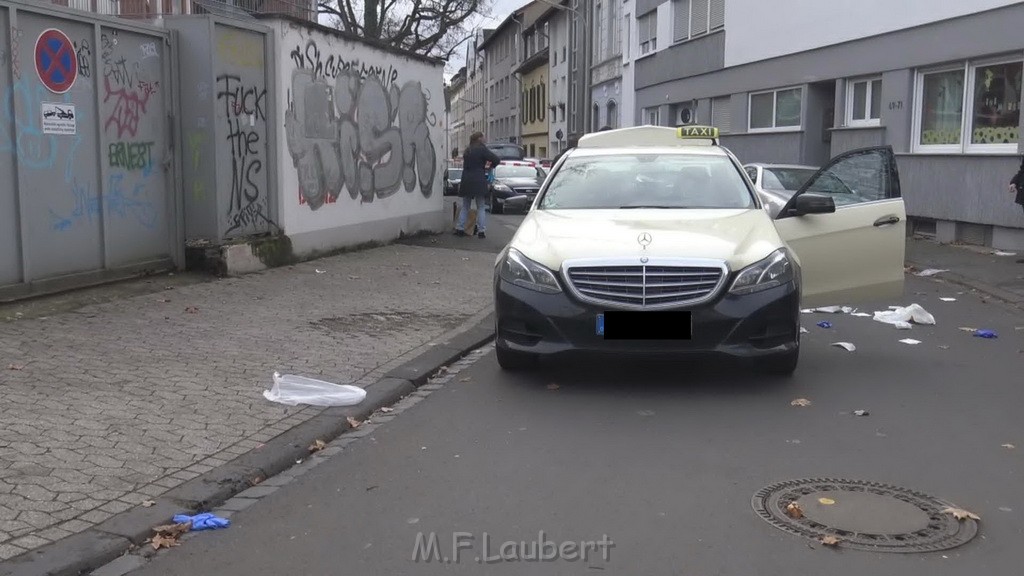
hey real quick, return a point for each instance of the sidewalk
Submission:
(974, 266)
(113, 404)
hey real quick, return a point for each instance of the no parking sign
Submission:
(56, 63)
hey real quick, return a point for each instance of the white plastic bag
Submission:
(292, 390)
(900, 317)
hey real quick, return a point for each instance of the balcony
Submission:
(149, 9)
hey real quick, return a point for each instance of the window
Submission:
(680, 20)
(595, 121)
(669, 181)
(864, 102)
(614, 28)
(613, 114)
(652, 116)
(648, 31)
(775, 110)
(971, 108)
(627, 50)
(599, 33)
(716, 15)
(721, 114)
(858, 178)
(698, 17)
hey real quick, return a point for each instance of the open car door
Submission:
(847, 225)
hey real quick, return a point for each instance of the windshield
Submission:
(786, 178)
(502, 171)
(647, 181)
(454, 173)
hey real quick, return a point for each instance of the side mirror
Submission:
(810, 203)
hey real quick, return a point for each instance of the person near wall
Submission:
(1017, 187)
(476, 162)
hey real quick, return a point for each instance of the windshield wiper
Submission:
(635, 206)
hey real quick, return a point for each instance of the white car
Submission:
(653, 240)
(776, 183)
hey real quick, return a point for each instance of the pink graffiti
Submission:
(130, 107)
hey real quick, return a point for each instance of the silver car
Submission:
(776, 183)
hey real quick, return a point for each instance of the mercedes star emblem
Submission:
(644, 239)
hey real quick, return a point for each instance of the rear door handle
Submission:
(884, 221)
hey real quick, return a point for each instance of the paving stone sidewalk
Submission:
(112, 404)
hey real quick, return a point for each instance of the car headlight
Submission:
(522, 271)
(502, 187)
(775, 270)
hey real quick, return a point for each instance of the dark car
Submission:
(515, 186)
(452, 178)
(507, 151)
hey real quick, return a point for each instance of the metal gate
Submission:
(88, 180)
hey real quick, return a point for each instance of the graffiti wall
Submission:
(84, 184)
(362, 135)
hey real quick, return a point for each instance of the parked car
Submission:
(776, 183)
(507, 150)
(452, 178)
(650, 240)
(515, 186)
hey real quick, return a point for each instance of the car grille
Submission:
(526, 191)
(646, 285)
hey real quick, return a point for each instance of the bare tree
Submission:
(428, 27)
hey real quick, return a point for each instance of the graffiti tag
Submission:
(243, 108)
(133, 206)
(83, 51)
(195, 149)
(131, 156)
(34, 149)
(149, 50)
(361, 137)
(333, 66)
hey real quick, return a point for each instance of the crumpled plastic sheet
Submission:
(902, 317)
(292, 390)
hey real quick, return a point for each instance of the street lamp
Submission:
(585, 46)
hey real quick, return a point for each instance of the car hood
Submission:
(739, 237)
(514, 182)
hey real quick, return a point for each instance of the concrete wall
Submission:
(844, 140)
(758, 31)
(782, 148)
(91, 192)
(360, 158)
(973, 188)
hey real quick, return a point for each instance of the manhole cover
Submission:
(864, 515)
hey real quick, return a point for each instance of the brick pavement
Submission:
(116, 403)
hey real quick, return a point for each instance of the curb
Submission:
(988, 289)
(88, 550)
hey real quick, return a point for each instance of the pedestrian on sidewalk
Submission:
(1017, 187)
(476, 162)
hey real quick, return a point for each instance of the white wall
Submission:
(339, 102)
(755, 31)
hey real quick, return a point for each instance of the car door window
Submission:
(752, 172)
(858, 177)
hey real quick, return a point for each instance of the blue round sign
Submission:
(55, 59)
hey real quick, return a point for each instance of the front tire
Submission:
(512, 360)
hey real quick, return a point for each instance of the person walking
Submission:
(476, 161)
(1017, 187)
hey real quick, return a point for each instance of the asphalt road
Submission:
(663, 458)
(500, 228)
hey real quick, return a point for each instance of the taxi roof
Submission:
(652, 139)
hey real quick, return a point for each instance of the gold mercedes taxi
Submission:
(653, 240)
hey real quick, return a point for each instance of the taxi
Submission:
(653, 240)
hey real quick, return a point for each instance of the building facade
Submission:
(474, 97)
(533, 75)
(501, 55)
(938, 82)
(558, 20)
(455, 93)
(606, 88)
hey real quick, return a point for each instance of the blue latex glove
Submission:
(986, 334)
(205, 521)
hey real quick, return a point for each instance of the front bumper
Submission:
(754, 325)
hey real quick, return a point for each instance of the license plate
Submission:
(650, 325)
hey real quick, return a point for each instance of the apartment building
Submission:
(455, 95)
(606, 88)
(533, 75)
(502, 56)
(558, 21)
(940, 82)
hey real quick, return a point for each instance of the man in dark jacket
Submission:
(474, 183)
(1017, 187)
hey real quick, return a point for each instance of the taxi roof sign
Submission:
(654, 136)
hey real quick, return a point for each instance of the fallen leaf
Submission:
(160, 541)
(830, 540)
(793, 510)
(173, 529)
(148, 503)
(961, 514)
(353, 422)
(800, 402)
(553, 386)
(192, 310)
(317, 445)
(1009, 446)
(15, 366)
(385, 409)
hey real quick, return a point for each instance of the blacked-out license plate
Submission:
(650, 325)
